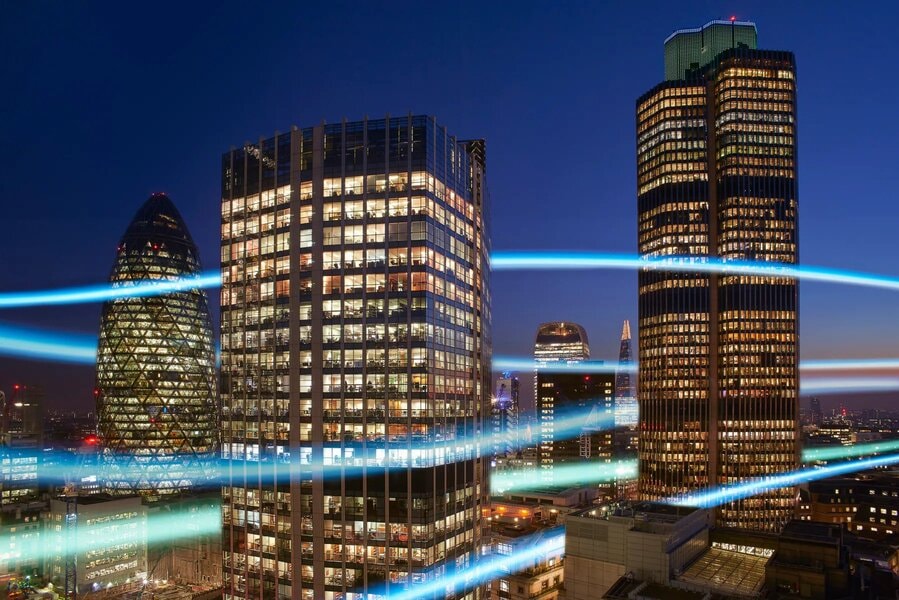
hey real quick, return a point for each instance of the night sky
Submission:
(105, 104)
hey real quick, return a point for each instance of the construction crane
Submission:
(71, 536)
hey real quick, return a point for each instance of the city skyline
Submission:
(329, 403)
(587, 186)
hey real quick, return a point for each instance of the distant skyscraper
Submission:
(561, 342)
(625, 400)
(716, 176)
(817, 415)
(561, 396)
(355, 359)
(504, 415)
(156, 392)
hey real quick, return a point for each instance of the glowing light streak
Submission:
(723, 495)
(832, 385)
(500, 261)
(19, 342)
(547, 260)
(515, 363)
(852, 364)
(563, 474)
(856, 450)
(107, 291)
(49, 544)
(484, 568)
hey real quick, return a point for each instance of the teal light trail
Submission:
(722, 495)
(155, 529)
(565, 474)
(811, 455)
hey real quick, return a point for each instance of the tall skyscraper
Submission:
(625, 398)
(504, 414)
(156, 392)
(355, 359)
(716, 176)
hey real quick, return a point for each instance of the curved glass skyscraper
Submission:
(156, 364)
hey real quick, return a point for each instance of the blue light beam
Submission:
(18, 342)
(723, 495)
(549, 260)
(485, 568)
(106, 291)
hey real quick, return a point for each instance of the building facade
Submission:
(156, 391)
(716, 177)
(109, 542)
(355, 359)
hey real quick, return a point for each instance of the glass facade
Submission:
(691, 49)
(718, 353)
(355, 359)
(156, 393)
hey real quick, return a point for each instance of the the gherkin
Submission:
(156, 395)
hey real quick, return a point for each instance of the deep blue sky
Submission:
(106, 103)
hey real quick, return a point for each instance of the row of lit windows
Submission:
(646, 133)
(672, 118)
(673, 92)
(755, 72)
(686, 177)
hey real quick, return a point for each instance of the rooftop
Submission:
(718, 569)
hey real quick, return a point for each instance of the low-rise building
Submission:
(644, 541)
(109, 537)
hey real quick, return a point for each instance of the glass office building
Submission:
(559, 341)
(355, 359)
(156, 392)
(716, 176)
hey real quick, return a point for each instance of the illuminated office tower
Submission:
(355, 359)
(156, 403)
(561, 342)
(716, 176)
(504, 414)
(625, 400)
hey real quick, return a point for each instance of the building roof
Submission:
(727, 571)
